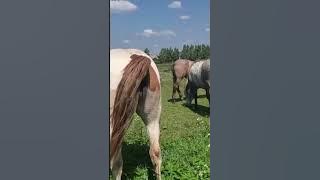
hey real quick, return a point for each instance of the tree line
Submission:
(191, 52)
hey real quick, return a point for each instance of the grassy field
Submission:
(185, 139)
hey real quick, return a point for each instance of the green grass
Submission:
(185, 139)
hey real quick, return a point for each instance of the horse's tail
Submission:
(133, 80)
(174, 77)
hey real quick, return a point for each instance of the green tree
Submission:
(188, 49)
(161, 55)
(207, 52)
(172, 55)
(191, 52)
(196, 52)
(156, 60)
(166, 55)
(183, 54)
(203, 51)
(176, 54)
(147, 51)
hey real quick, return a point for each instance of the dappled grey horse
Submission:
(199, 77)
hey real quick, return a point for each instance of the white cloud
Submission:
(126, 41)
(207, 29)
(122, 6)
(184, 17)
(175, 4)
(167, 33)
(149, 33)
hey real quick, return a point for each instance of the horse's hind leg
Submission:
(116, 165)
(149, 109)
(153, 129)
(208, 95)
(179, 92)
(175, 88)
(173, 91)
(195, 98)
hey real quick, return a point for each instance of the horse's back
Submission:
(181, 67)
(206, 72)
(199, 74)
(119, 59)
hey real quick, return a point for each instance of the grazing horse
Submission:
(180, 70)
(134, 87)
(199, 77)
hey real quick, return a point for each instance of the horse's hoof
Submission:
(173, 100)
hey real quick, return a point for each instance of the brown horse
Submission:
(180, 70)
(134, 87)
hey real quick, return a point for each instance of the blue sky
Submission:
(156, 24)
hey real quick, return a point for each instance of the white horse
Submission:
(198, 77)
(134, 87)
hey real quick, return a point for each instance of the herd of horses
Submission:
(197, 73)
(135, 87)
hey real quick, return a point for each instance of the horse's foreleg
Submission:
(186, 90)
(188, 94)
(116, 165)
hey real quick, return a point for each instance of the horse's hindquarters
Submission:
(131, 72)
